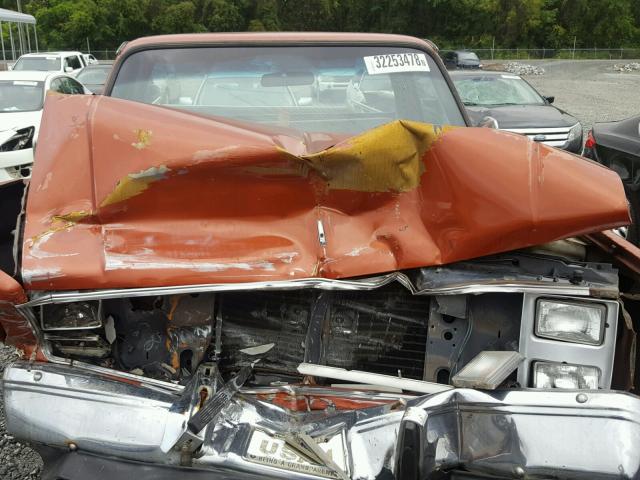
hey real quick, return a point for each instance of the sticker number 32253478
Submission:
(396, 62)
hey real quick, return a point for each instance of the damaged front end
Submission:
(415, 302)
(460, 433)
(341, 379)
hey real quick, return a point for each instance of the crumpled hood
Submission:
(125, 194)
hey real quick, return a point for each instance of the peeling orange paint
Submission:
(143, 138)
(58, 223)
(134, 184)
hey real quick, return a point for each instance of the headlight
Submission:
(71, 316)
(23, 138)
(562, 375)
(571, 322)
(575, 133)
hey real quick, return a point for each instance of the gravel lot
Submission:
(17, 461)
(589, 89)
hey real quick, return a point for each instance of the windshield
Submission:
(496, 90)
(468, 56)
(21, 96)
(93, 76)
(323, 89)
(42, 64)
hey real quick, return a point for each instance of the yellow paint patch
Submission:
(71, 217)
(34, 241)
(59, 223)
(143, 139)
(385, 159)
(134, 184)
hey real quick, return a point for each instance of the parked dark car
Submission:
(517, 107)
(94, 76)
(617, 146)
(461, 59)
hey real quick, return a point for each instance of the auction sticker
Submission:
(396, 62)
(272, 451)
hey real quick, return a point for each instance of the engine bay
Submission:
(305, 378)
(391, 330)
(384, 331)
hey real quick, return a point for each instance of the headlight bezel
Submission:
(570, 303)
(535, 348)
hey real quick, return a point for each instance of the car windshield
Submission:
(42, 64)
(468, 56)
(21, 95)
(495, 90)
(93, 76)
(343, 90)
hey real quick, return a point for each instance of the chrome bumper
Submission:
(514, 433)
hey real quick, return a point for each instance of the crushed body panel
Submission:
(164, 197)
(479, 432)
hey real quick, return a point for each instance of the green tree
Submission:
(265, 16)
(451, 23)
(177, 18)
(224, 16)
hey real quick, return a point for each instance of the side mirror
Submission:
(550, 99)
(9, 67)
(68, 69)
(488, 122)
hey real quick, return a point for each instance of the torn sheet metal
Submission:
(204, 200)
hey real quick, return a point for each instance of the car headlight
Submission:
(23, 138)
(71, 316)
(562, 375)
(571, 321)
(575, 133)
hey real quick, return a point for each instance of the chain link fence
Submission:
(554, 53)
(103, 54)
(484, 53)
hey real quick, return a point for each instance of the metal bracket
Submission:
(321, 236)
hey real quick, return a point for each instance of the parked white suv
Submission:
(67, 62)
